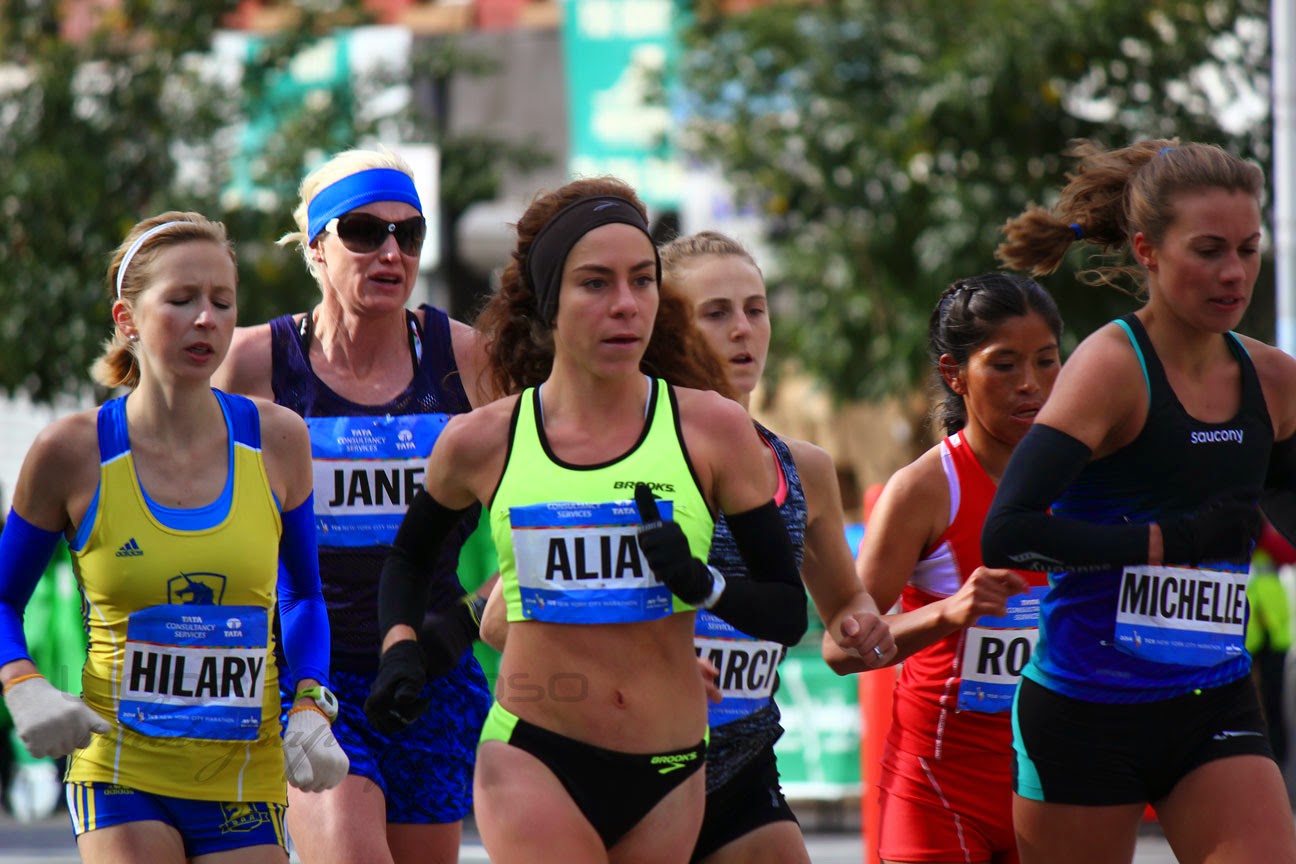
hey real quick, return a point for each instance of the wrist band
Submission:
(314, 708)
(14, 682)
(717, 588)
(476, 604)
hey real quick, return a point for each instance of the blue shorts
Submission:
(425, 771)
(205, 827)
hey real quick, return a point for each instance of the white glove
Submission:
(49, 722)
(313, 759)
(35, 791)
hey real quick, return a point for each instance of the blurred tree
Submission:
(885, 142)
(135, 118)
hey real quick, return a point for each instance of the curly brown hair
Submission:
(520, 343)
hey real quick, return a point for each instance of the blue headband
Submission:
(357, 190)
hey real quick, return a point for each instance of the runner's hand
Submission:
(1224, 530)
(710, 680)
(394, 699)
(985, 592)
(867, 636)
(313, 759)
(668, 553)
(447, 635)
(49, 722)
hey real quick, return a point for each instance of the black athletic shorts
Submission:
(750, 800)
(1070, 751)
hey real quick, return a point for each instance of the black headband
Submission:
(554, 242)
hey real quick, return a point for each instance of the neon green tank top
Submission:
(566, 534)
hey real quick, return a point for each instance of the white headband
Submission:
(134, 247)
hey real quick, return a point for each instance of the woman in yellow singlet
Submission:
(178, 503)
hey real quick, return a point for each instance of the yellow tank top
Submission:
(178, 609)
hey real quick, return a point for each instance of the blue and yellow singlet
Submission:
(178, 609)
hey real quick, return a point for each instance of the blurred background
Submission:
(866, 150)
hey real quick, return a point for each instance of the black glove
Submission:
(1224, 530)
(668, 553)
(446, 635)
(394, 701)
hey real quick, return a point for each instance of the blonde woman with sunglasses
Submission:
(376, 382)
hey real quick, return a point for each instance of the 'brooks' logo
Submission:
(652, 487)
(674, 762)
(130, 549)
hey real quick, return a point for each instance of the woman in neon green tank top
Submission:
(592, 750)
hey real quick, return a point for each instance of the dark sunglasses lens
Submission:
(361, 232)
(409, 235)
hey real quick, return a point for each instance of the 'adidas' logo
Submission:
(130, 549)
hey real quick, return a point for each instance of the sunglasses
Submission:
(364, 232)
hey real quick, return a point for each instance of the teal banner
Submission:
(819, 753)
(619, 56)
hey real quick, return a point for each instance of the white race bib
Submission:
(996, 650)
(747, 668)
(581, 564)
(1181, 615)
(195, 671)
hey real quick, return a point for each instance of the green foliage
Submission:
(98, 133)
(885, 142)
(81, 164)
(93, 134)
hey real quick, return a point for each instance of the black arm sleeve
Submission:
(407, 571)
(771, 603)
(1019, 531)
(1279, 499)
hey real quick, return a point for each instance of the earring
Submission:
(134, 337)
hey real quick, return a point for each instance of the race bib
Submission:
(367, 471)
(581, 564)
(195, 671)
(747, 668)
(1182, 616)
(996, 650)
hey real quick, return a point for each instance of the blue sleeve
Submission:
(25, 551)
(303, 618)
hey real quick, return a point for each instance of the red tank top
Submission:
(929, 718)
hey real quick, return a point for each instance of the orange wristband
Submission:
(314, 708)
(14, 682)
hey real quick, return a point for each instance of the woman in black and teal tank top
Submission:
(1138, 489)
(747, 818)
(376, 383)
(188, 515)
(593, 749)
